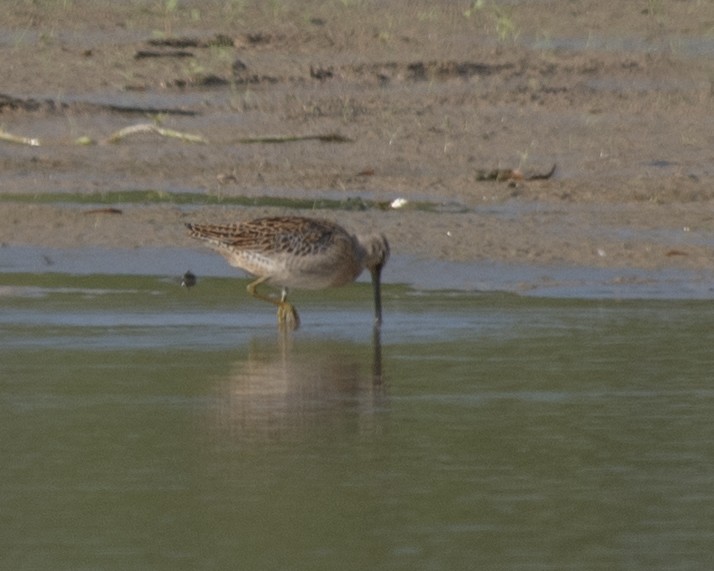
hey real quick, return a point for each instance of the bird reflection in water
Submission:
(292, 386)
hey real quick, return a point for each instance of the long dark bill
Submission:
(377, 288)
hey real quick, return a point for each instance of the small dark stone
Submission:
(189, 280)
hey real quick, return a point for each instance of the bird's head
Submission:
(376, 252)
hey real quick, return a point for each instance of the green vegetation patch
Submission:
(200, 199)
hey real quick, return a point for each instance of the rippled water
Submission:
(143, 426)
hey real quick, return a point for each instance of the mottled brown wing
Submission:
(293, 235)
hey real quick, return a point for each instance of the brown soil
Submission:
(428, 95)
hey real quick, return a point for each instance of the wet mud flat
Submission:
(435, 123)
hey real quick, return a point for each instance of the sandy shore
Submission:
(425, 98)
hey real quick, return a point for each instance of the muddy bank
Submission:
(360, 102)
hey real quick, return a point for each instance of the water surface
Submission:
(143, 426)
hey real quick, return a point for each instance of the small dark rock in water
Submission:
(189, 279)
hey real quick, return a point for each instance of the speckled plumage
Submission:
(299, 252)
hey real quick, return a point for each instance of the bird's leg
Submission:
(287, 314)
(252, 288)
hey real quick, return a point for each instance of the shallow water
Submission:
(146, 426)
(560, 281)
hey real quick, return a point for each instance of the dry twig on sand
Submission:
(151, 128)
(500, 175)
(10, 138)
(325, 138)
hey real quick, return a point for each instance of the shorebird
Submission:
(297, 252)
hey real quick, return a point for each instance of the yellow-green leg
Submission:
(287, 314)
(288, 317)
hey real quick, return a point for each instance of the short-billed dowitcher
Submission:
(297, 252)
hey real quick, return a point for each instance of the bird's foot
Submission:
(288, 318)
